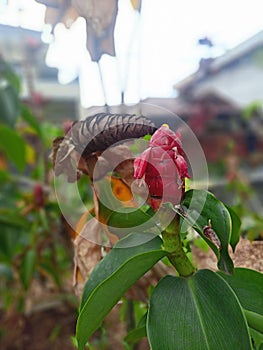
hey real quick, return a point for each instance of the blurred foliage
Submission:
(34, 240)
(9, 95)
(243, 194)
(252, 110)
(244, 197)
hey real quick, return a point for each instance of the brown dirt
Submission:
(247, 254)
(41, 330)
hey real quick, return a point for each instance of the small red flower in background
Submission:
(39, 196)
(163, 167)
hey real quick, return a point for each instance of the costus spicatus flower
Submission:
(163, 167)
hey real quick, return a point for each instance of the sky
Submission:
(154, 50)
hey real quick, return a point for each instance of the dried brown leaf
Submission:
(87, 249)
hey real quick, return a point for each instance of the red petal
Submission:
(155, 185)
(181, 166)
(140, 164)
(166, 139)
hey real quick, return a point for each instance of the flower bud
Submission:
(163, 167)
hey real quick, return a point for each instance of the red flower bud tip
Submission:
(163, 167)
(39, 196)
(166, 139)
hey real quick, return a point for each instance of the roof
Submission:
(237, 75)
(218, 63)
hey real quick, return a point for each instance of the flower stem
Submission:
(173, 245)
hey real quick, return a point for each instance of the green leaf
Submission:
(13, 146)
(120, 222)
(117, 272)
(196, 313)
(31, 120)
(236, 225)
(9, 104)
(27, 267)
(201, 208)
(257, 339)
(7, 72)
(248, 287)
(254, 320)
(4, 176)
(9, 241)
(135, 335)
(13, 218)
(138, 333)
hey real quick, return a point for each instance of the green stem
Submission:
(173, 245)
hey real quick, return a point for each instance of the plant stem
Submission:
(173, 245)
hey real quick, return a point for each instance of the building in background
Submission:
(236, 76)
(24, 50)
(223, 100)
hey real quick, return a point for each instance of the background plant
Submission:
(34, 239)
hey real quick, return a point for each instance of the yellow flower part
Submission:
(31, 155)
(166, 126)
(122, 192)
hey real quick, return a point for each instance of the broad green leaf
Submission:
(13, 146)
(27, 268)
(201, 208)
(196, 313)
(121, 222)
(248, 287)
(112, 277)
(236, 225)
(31, 120)
(9, 104)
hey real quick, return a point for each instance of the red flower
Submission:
(39, 196)
(163, 167)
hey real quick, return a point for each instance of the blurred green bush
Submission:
(34, 239)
